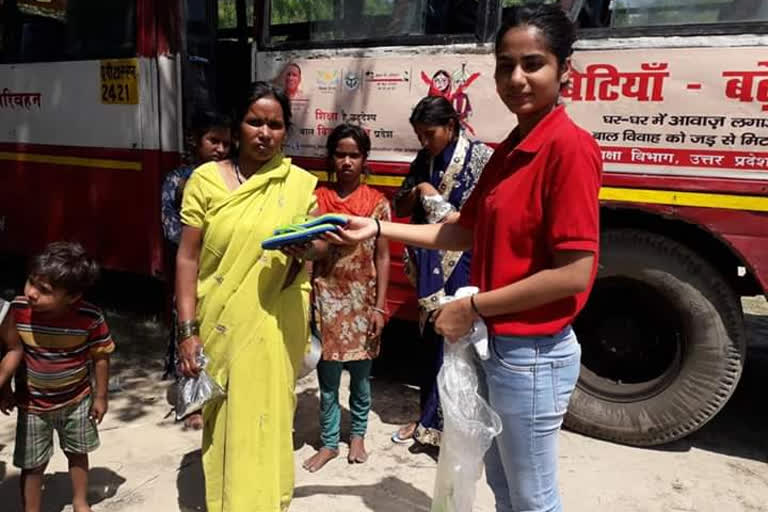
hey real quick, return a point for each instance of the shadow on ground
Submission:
(103, 484)
(306, 422)
(389, 495)
(137, 363)
(396, 373)
(392, 401)
(190, 483)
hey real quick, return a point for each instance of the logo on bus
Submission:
(327, 80)
(352, 81)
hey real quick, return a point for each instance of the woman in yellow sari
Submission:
(249, 306)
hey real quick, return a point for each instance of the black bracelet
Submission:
(474, 307)
(378, 228)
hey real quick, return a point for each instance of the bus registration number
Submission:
(120, 82)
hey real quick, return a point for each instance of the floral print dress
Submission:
(345, 284)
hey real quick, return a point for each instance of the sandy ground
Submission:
(148, 463)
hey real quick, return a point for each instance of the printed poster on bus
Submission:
(689, 111)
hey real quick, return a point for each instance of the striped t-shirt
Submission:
(57, 354)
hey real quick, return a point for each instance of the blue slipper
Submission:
(310, 222)
(296, 236)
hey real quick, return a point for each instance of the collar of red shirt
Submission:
(540, 133)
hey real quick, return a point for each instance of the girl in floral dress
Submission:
(350, 288)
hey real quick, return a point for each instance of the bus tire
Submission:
(663, 342)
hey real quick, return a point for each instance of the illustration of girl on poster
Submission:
(441, 84)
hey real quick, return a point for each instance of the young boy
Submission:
(11, 354)
(66, 341)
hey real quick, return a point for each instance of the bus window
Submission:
(645, 13)
(354, 20)
(228, 14)
(654, 13)
(586, 13)
(57, 30)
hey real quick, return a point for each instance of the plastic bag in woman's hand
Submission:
(469, 426)
(194, 392)
(436, 208)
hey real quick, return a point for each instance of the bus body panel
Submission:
(84, 162)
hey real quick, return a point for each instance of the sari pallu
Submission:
(438, 273)
(254, 330)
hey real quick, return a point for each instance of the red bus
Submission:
(94, 97)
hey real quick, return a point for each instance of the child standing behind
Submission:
(210, 140)
(66, 340)
(350, 293)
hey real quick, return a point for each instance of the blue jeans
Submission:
(529, 382)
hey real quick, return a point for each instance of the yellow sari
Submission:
(253, 330)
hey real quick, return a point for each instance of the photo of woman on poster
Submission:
(290, 80)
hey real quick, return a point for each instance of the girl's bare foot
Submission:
(320, 459)
(405, 433)
(357, 453)
(81, 508)
(194, 421)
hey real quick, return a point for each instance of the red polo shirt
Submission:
(535, 198)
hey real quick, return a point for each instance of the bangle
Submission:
(382, 311)
(378, 228)
(187, 329)
(474, 307)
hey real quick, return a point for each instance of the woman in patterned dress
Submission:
(350, 288)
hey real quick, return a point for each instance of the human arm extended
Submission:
(448, 235)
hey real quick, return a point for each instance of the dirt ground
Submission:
(148, 463)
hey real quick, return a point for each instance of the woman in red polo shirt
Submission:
(532, 223)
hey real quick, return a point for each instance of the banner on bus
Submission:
(694, 111)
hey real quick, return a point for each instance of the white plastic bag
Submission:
(194, 392)
(469, 426)
(436, 208)
(312, 354)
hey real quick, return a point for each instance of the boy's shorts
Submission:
(34, 433)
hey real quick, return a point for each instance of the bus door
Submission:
(234, 30)
(199, 61)
(216, 69)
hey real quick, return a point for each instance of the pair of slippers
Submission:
(303, 232)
